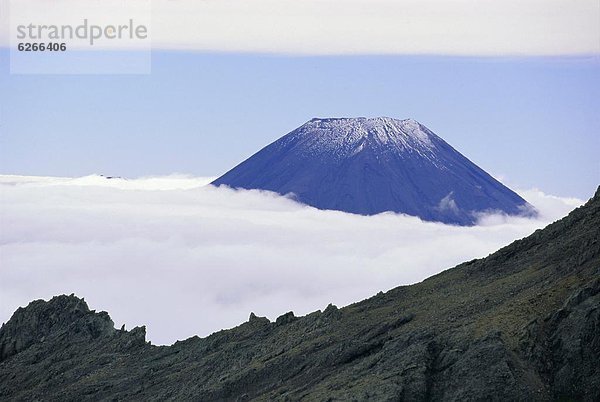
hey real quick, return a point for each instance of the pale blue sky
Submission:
(534, 121)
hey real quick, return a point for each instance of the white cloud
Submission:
(448, 204)
(186, 259)
(448, 27)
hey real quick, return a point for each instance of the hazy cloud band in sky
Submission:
(442, 27)
(186, 259)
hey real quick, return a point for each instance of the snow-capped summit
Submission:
(344, 136)
(372, 165)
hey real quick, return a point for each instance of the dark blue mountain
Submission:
(367, 166)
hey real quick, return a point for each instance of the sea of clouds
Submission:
(184, 258)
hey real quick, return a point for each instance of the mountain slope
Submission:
(367, 166)
(521, 324)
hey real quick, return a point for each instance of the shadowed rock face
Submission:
(65, 317)
(367, 166)
(521, 324)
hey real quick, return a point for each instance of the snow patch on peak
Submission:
(345, 137)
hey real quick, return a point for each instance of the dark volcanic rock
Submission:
(64, 317)
(521, 324)
(565, 345)
(368, 166)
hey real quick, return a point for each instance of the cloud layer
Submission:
(184, 259)
(458, 27)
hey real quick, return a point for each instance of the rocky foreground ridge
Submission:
(521, 324)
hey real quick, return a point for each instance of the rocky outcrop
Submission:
(521, 324)
(565, 345)
(63, 318)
